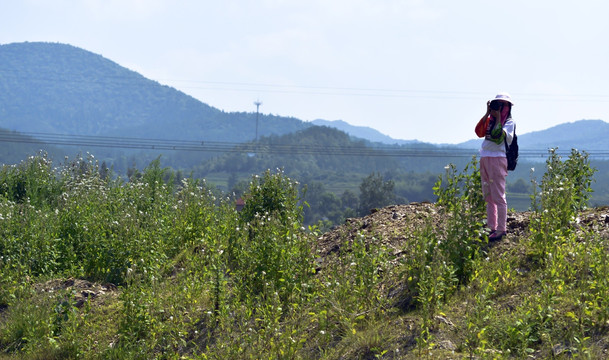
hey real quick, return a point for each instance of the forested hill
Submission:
(363, 132)
(16, 147)
(62, 89)
(304, 154)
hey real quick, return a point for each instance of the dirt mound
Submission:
(394, 225)
(82, 290)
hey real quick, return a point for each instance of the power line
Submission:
(304, 89)
(260, 148)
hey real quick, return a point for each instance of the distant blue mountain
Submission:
(362, 132)
(586, 135)
(583, 135)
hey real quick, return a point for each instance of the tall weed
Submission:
(564, 190)
(276, 249)
(34, 180)
(460, 196)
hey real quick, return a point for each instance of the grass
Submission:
(187, 277)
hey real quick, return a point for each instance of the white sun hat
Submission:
(504, 97)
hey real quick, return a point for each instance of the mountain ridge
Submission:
(59, 88)
(584, 135)
(363, 132)
(62, 89)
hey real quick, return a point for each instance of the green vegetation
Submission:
(335, 184)
(96, 267)
(375, 193)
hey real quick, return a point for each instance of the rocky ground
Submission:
(393, 224)
(81, 290)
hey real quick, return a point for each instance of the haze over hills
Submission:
(362, 132)
(58, 88)
(52, 88)
(582, 135)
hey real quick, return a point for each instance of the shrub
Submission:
(460, 196)
(275, 251)
(564, 190)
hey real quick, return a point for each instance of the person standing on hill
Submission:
(496, 126)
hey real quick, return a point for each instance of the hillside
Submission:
(14, 147)
(587, 135)
(152, 269)
(397, 334)
(312, 151)
(61, 89)
(395, 226)
(582, 135)
(362, 132)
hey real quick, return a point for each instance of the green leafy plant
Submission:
(460, 196)
(563, 191)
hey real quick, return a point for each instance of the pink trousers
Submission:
(493, 171)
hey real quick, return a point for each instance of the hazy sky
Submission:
(411, 69)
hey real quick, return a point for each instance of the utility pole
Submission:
(257, 103)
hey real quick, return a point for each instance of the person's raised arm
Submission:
(482, 123)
